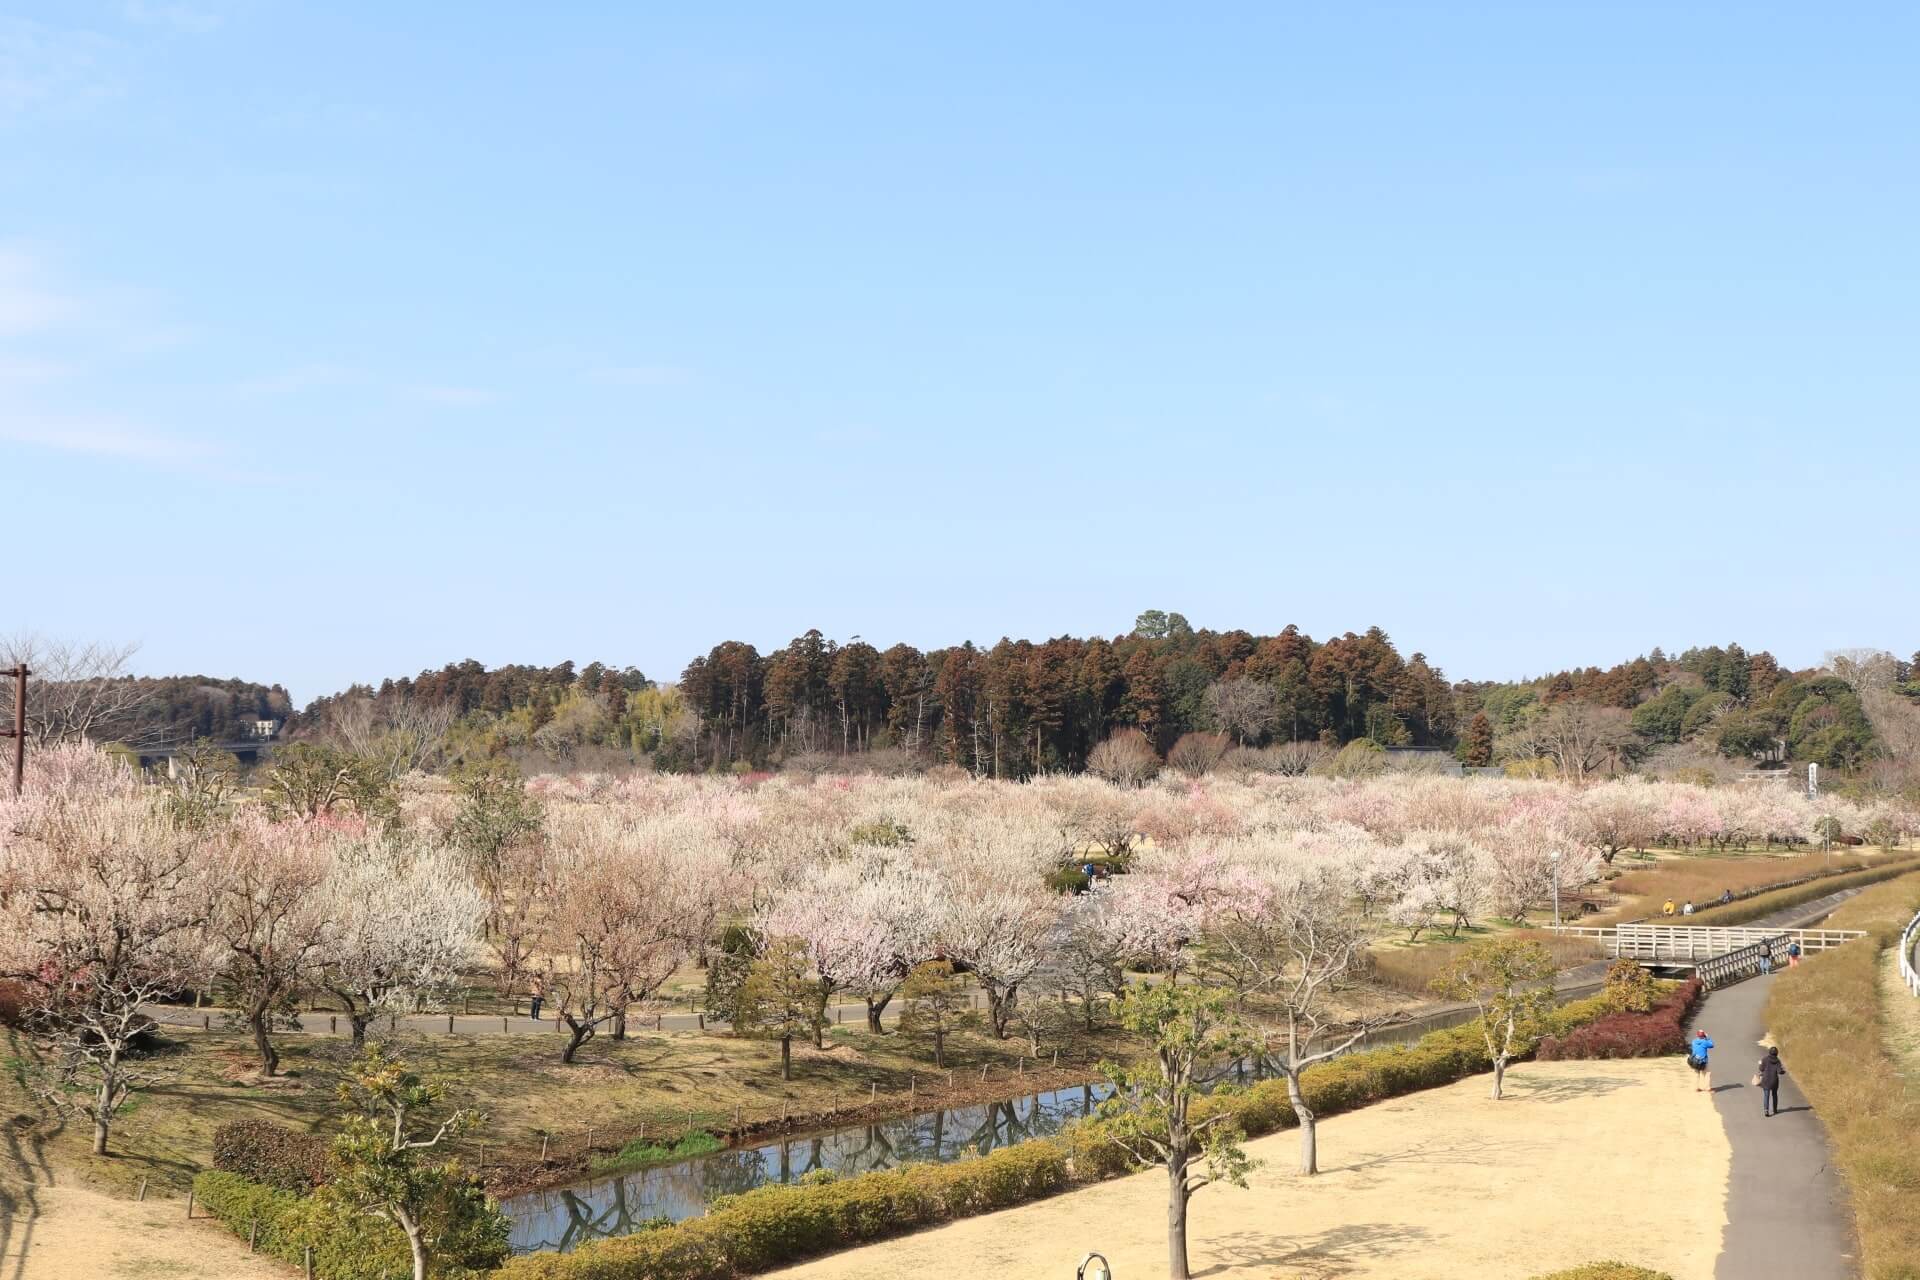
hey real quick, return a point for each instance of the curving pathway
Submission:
(1787, 1211)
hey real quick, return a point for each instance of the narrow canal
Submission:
(564, 1217)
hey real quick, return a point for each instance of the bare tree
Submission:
(1126, 758)
(1197, 754)
(78, 692)
(1242, 707)
(397, 737)
(269, 917)
(1863, 669)
(1580, 740)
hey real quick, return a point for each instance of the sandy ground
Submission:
(84, 1235)
(1582, 1161)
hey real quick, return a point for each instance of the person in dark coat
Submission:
(1770, 1073)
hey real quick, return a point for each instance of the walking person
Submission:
(1793, 955)
(1697, 1051)
(536, 991)
(1768, 1078)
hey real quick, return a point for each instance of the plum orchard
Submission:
(114, 894)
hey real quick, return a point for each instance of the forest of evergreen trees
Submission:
(1020, 707)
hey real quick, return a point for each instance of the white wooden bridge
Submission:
(1718, 955)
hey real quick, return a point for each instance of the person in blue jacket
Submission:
(1697, 1051)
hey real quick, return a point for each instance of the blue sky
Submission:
(339, 341)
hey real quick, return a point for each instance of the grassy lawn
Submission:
(654, 1089)
(1644, 887)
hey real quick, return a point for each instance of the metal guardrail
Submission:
(1908, 974)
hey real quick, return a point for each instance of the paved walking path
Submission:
(1787, 1211)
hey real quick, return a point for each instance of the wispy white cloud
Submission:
(100, 439)
(21, 369)
(287, 382)
(465, 397)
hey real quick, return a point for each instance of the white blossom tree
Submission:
(404, 920)
(103, 907)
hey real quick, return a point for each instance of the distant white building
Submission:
(261, 728)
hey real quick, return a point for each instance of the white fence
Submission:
(1695, 943)
(1907, 973)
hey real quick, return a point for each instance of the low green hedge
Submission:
(1607, 1271)
(776, 1226)
(346, 1245)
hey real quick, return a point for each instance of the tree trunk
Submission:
(1000, 1006)
(416, 1243)
(359, 1021)
(940, 1048)
(620, 1025)
(103, 1107)
(1499, 1075)
(874, 1009)
(1177, 1218)
(582, 1032)
(1309, 1136)
(786, 1057)
(269, 1056)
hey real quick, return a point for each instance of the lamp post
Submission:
(1555, 858)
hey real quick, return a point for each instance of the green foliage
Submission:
(1151, 1110)
(727, 965)
(1663, 718)
(307, 779)
(935, 1006)
(639, 1153)
(1361, 758)
(346, 1244)
(380, 1166)
(1630, 987)
(1476, 746)
(780, 998)
(1607, 1271)
(1510, 981)
(495, 811)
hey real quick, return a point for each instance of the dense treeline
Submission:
(1022, 707)
(167, 710)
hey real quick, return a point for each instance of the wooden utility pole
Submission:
(19, 731)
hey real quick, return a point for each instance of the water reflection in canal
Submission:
(564, 1217)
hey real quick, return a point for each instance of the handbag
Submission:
(1755, 1082)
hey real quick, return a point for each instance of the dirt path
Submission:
(84, 1235)
(1442, 1185)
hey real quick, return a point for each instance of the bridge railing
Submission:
(1719, 970)
(1908, 974)
(1700, 942)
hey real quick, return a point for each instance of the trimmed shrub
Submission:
(1660, 1030)
(272, 1154)
(346, 1245)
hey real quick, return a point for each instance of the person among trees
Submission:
(1697, 1052)
(1767, 1075)
(536, 992)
